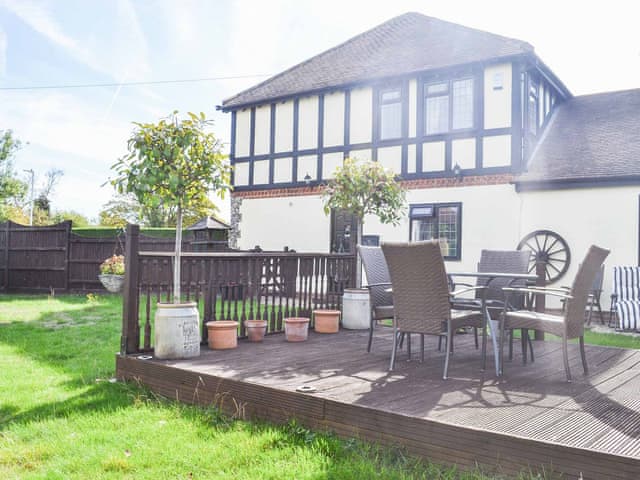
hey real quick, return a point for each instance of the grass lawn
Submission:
(61, 417)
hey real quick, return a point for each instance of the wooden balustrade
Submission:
(230, 286)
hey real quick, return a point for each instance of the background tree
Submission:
(365, 188)
(12, 189)
(78, 219)
(173, 163)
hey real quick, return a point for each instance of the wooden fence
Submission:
(49, 258)
(231, 286)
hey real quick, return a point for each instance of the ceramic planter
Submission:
(326, 321)
(222, 334)
(256, 329)
(176, 331)
(296, 329)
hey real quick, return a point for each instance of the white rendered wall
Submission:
(241, 173)
(283, 170)
(330, 161)
(489, 220)
(272, 223)
(433, 156)
(333, 123)
(261, 172)
(262, 130)
(607, 217)
(308, 123)
(413, 105)
(411, 158)
(391, 158)
(497, 102)
(284, 127)
(360, 120)
(463, 152)
(307, 165)
(243, 133)
(496, 151)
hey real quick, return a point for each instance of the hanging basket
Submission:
(112, 283)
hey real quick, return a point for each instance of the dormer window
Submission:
(448, 106)
(390, 114)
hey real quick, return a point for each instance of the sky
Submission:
(592, 46)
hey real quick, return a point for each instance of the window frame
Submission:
(449, 93)
(436, 208)
(382, 103)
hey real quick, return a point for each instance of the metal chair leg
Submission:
(371, 325)
(530, 348)
(448, 352)
(583, 355)
(422, 348)
(565, 355)
(524, 334)
(475, 336)
(393, 351)
(484, 347)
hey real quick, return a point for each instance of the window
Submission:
(448, 106)
(533, 107)
(390, 114)
(438, 221)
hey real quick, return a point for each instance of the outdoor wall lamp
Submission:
(457, 172)
(307, 179)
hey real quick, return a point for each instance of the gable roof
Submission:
(209, 223)
(408, 43)
(589, 138)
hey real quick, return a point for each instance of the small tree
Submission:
(173, 163)
(365, 188)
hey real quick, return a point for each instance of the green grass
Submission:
(62, 418)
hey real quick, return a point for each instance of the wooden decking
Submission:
(529, 419)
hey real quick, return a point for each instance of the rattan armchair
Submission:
(379, 284)
(421, 296)
(568, 325)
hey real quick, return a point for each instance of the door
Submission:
(343, 232)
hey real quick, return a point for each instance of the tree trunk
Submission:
(357, 242)
(176, 262)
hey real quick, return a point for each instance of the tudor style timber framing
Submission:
(522, 68)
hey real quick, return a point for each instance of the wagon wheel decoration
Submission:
(549, 248)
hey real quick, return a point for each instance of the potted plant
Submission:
(112, 273)
(174, 163)
(365, 188)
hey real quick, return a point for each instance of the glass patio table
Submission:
(493, 324)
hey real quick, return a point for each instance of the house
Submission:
(490, 143)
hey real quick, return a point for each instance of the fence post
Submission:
(130, 339)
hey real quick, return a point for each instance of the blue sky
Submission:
(84, 130)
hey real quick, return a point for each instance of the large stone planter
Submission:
(356, 309)
(177, 331)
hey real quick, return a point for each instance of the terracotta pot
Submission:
(326, 321)
(296, 329)
(222, 334)
(256, 329)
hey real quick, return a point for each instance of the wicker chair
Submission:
(375, 268)
(421, 296)
(568, 325)
(499, 261)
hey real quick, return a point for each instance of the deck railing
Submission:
(231, 286)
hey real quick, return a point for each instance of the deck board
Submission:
(529, 418)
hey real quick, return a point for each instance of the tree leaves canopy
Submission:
(365, 188)
(12, 189)
(172, 162)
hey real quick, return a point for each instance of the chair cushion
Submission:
(382, 312)
(536, 321)
(628, 314)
